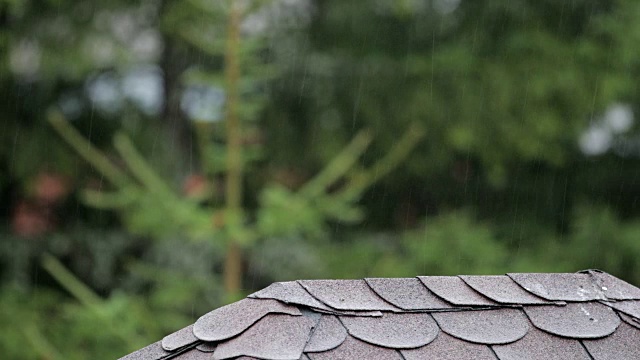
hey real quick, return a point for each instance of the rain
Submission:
(159, 159)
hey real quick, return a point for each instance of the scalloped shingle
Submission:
(274, 337)
(353, 348)
(635, 322)
(178, 339)
(631, 308)
(444, 318)
(614, 288)
(153, 351)
(328, 334)
(447, 347)
(560, 287)
(502, 289)
(537, 345)
(346, 294)
(396, 331)
(289, 292)
(624, 344)
(455, 291)
(233, 319)
(575, 320)
(406, 293)
(499, 326)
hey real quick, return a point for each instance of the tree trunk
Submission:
(176, 124)
(233, 263)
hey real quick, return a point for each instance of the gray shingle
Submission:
(630, 320)
(195, 354)
(328, 334)
(575, 320)
(354, 349)
(502, 289)
(499, 326)
(624, 344)
(630, 307)
(406, 293)
(446, 347)
(396, 331)
(289, 292)
(178, 339)
(206, 347)
(232, 319)
(455, 291)
(469, 326)
(538, 345)
(614, 288)
(276, 337)
(150, 352)
(346, 295)
(372, 313)
(563, 287)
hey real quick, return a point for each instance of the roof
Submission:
(584, 315)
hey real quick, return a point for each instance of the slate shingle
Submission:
(206, 347)
(624, 344)
(563, 287)
(195, 354)
(406, 293)
(372, 313)
(575, 320)
(346, 295)
(396, 331)
(455, 291)
(502, 289)
(180, 338)
(614, 288)
(276, 337)
(232, 319)
(631, 307)
(537, 345)
(630, 320)
(444, 318)
(328, 334)
(446, 347)
(354, 349)
(153, 351)
(290, 292)
(499, 326)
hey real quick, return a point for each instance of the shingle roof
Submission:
(586, 315)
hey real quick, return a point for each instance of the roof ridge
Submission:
(580, 315)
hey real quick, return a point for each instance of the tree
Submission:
(504, 89)
(146, 201)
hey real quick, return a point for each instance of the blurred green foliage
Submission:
(456, 243)
(110, 243)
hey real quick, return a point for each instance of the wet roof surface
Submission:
(502, 289)
(586, 315)
(407, 293)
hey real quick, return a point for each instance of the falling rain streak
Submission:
(159, 159)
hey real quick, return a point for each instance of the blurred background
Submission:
(161, 158)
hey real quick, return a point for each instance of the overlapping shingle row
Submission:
(585, 315)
